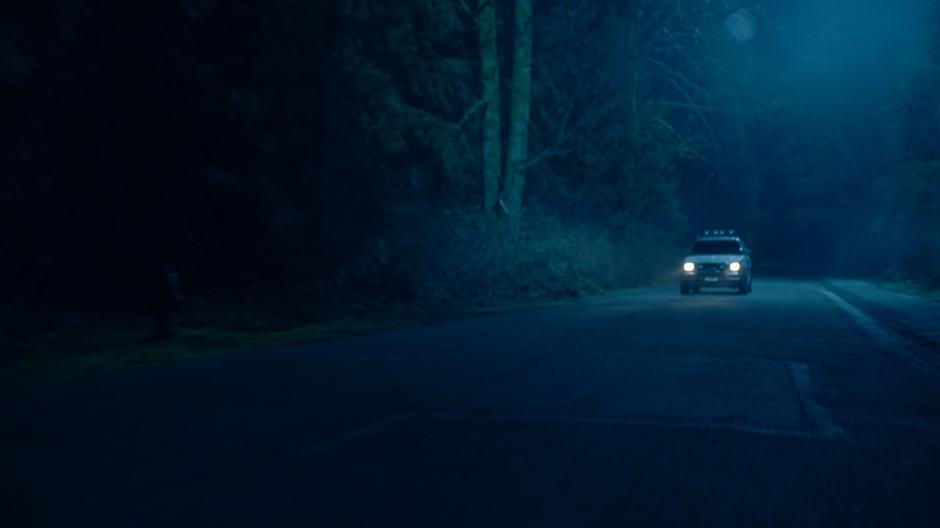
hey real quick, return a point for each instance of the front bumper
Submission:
(724, 280)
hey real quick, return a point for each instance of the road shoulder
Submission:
(913, 321)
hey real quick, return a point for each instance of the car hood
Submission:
(714, 259)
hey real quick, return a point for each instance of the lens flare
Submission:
(742, 25)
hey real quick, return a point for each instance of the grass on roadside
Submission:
(85, 348)
(44, 349)
(911, 288)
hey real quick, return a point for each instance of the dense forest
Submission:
(309, 156)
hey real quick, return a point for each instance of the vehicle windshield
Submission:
(716, 247)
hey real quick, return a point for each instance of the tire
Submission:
(745, 287)
(696, 289)
(683, 289)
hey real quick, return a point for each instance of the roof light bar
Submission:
(719, 232)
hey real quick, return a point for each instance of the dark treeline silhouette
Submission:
(316, 154)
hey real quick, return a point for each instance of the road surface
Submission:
(803, 404)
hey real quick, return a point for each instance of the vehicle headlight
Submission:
(735, 266)
(689, 266)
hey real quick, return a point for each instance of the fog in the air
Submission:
(445, 263)
(834, 79)
(347, 153)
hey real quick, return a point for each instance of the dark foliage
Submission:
(330, 151)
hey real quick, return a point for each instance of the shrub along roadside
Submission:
(69, 348)
(464, 260)
(456, 267)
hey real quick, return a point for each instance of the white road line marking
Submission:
(362, 432)
(563, 419)
(824, 426)
(528, 339)
(817, 415)
(885, 338)
(866, 323)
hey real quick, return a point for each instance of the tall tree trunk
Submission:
(489, 61)
(320, 169)
(517, 151)
(632, 59)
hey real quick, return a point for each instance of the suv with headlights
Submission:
(717, 259)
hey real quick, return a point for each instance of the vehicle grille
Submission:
(711, 268)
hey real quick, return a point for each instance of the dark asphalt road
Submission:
(776, 409)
